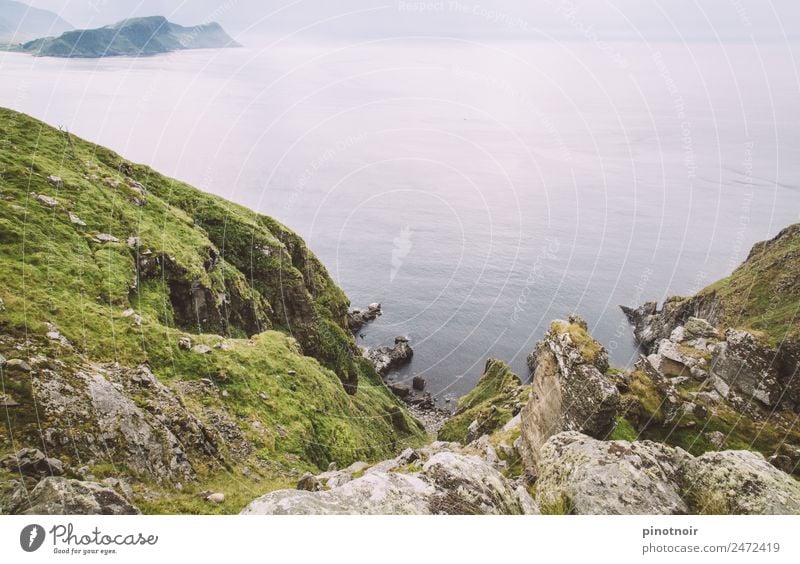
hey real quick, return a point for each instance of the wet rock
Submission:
(357, 318)
(400, 390)
(386, 359)
(418, 383)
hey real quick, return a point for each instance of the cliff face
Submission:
(757, 348)
(156, 334)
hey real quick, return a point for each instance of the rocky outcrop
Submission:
(739, 483)
(92, 410)
(386, 359)
(578, 474)
(32, 463)
(357, 318)
(651, 324)
(732, 362)
(570, 391)
(62, 496)
(442, 478)
(751, 368)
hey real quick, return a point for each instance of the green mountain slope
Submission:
(112, 271)
(131, 37)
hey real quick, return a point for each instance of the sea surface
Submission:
(476, 190)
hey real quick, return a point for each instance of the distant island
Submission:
(20, 22)
(132, 37)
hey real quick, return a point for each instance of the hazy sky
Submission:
(576, 19)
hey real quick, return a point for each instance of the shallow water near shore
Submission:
(477, 191)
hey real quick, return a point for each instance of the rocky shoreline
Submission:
(566, 449)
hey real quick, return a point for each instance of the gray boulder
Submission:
(62, 496)
(582, 475)
(451, 481)
(372, 494)
(738, 482)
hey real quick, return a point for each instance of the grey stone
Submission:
(569, 393)
(739, 482)
(586, 476)
(61, 496)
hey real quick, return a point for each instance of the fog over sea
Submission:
(477, 190)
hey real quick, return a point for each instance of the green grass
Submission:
(588, 347)
(491, 402)
(763, 294)
(265, 294)
(623, 431)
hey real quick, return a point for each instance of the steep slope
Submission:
(167, 337)
(131, 37)
(20, 22)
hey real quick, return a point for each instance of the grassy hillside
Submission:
(763, 294)
(105, 261)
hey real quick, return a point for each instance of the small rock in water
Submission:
(418, 383)
(400, 390)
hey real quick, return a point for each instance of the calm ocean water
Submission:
(477, 191)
